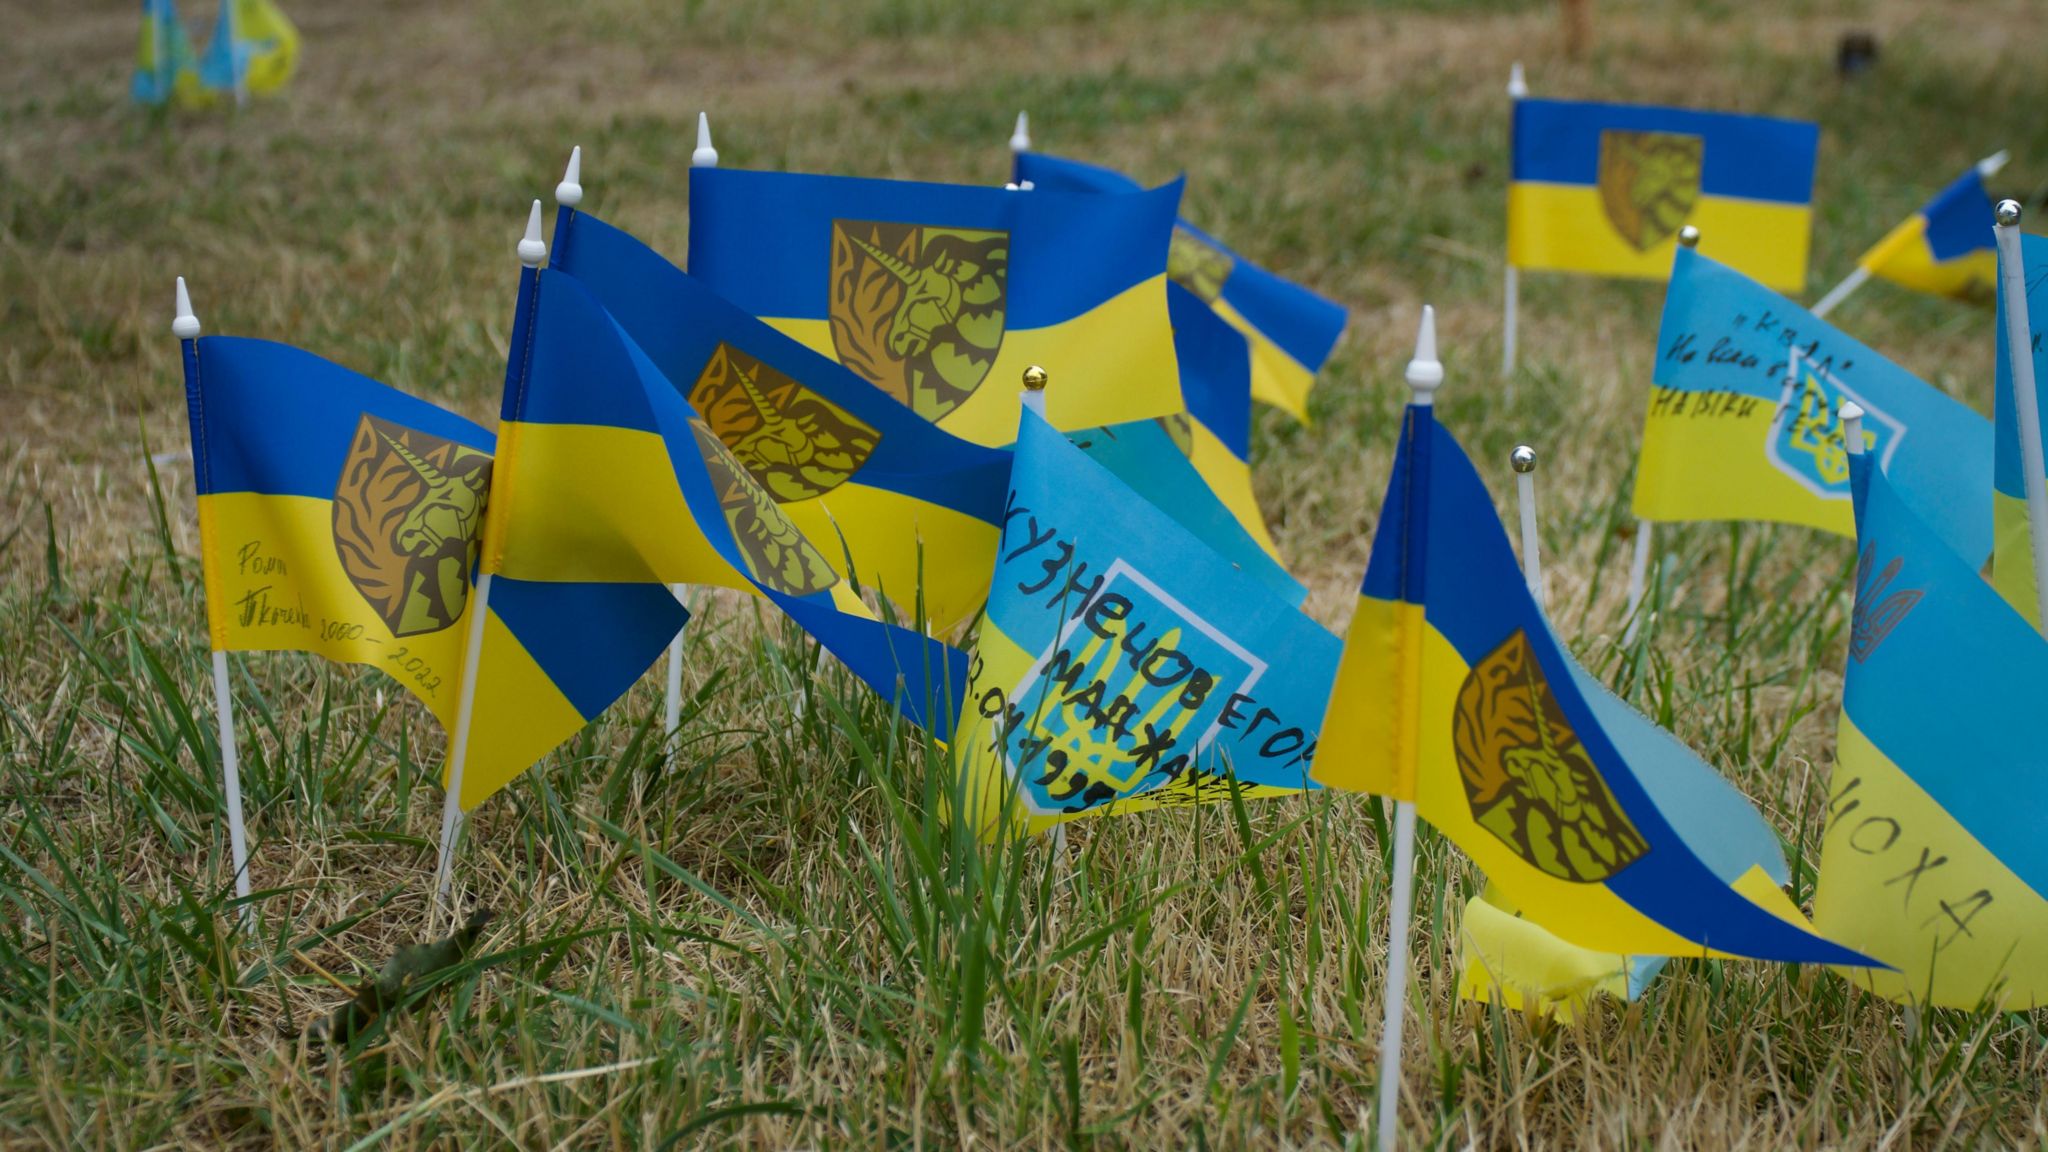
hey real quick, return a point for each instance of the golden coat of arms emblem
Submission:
(1197, 265)
(792, 441)
(919, 310)
(1527, 777)
(408, 513)
(1649, 182)
(774, 549)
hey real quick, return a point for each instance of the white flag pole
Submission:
(1639, 564)
(185, 326)
(1425, 374)
(1033, 398)
(532, 252)
(1852, 427)
(1523, 460)
(2019, 342)
(1020, 139)
(1518, 88)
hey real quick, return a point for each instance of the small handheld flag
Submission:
(340, 516)
(1604, 188)
(1745, 390)
(1933, 860)
(1124, 665)
(941, 294)
(1291, 329)
(254, 50)
(2016, 430)
(164, 68)
(1945, 249)
(912, 508)
(1454, 695)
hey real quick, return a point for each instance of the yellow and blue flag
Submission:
(1291, 330)
(1604, 188)
(1453, 694)
(2012, 553)
(1933, 859)
(913, 509)
(1726, 438)
(1124, 665)
(606, 472)
(941, 295)
(1194, 465)
(164, 68)
(1507, 959)
(254, 49)
(341, 517)
(1946, 248)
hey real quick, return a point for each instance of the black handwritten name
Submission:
(250, 561)
(1676, 402)
(1942, 908)
(256, 610)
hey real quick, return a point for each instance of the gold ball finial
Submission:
(1034, 378)
(1689, 236)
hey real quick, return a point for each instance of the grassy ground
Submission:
(759, 936)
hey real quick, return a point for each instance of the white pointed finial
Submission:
(705, 156)
(1425, 372)
(1518, 85)
(1990, 165)
(1020, 140)
(532, 249)
(1852, 427)
(1010, 186)
(186, 325)
(569, 193)
(1025, 186)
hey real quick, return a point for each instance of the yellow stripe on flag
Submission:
(1703, 458)
(1564, 228)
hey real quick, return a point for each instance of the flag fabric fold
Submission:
(1123, 664)
(1291, 330)
(1604, 189)
(341, 517)
(1453, 694)
(913, 508)
(606, 473)
(1725, 438)
(942, 295)
(1947, 248)
(1933, 859)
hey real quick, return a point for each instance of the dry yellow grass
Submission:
(741, 942)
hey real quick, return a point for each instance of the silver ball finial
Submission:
(1689, 236)
(1523, 459)
(2008, 212)
(1034, 379)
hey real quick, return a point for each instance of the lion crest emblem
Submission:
(1649, 182)
(408, 511)
(775, 551)
(919, 310)
(1197, 264)
(1528, 779)
(792, 441)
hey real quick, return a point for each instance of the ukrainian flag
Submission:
(912, 508)
(1604, 188)
(1193, 465)
(1726, 438)
(2012, 556)
(254, 49)
(340, 517)
(942, 295)
(1123, 665)
(1945, 249)
(1453, 694)
(1506, 959)
(163, 59)
(1291, 329)
(606, 473)
(1933, 859)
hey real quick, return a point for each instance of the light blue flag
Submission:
(163, 59)
(1933, 859)
(1726, 439)
(1123, 664)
